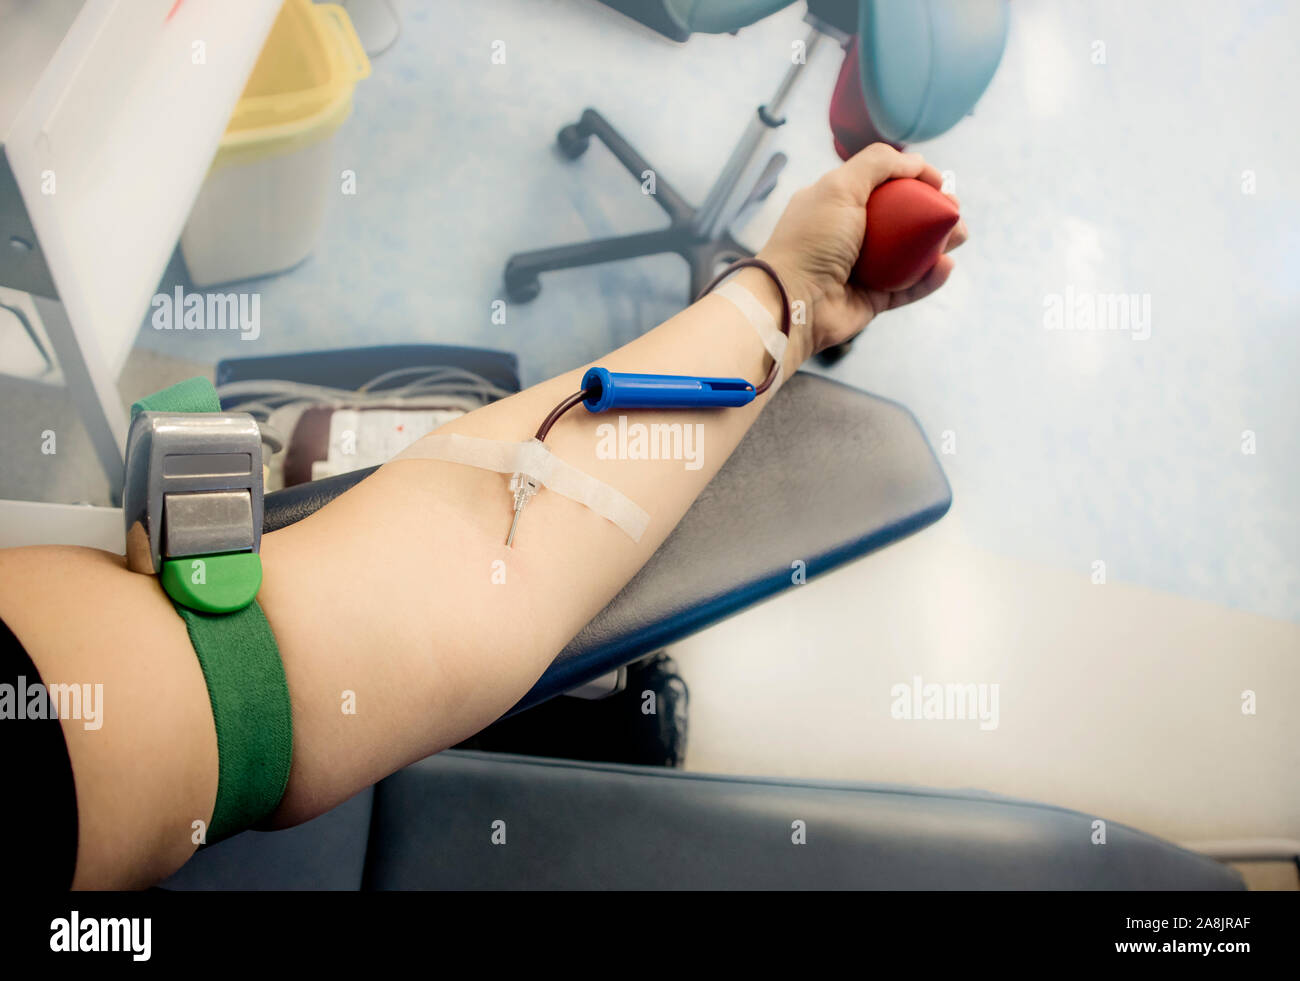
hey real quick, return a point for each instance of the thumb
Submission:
(869, 168)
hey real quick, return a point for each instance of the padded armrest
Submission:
(827, 474)
(351, 366)
(574, 825)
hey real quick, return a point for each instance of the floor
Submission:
(1138, 149)
(1117, 700)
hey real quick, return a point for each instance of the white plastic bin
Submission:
(263, 204)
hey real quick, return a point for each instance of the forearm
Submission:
(403, 592)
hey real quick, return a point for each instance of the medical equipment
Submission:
(603, 389)
(192, 504)
(193, 512)
(618, 390)
(531, 464)
(193, 494)
(304, 426)
(536, 467)
(910, 222)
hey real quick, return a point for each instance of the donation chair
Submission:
(856, 474)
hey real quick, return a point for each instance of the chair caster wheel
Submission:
(834, 354)
(572, 142)
(523, 290)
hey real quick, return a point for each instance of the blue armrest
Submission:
(827, 474)
(350, 367)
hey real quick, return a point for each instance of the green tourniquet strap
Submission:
(192, 395)
(250, 706)
(245, 677)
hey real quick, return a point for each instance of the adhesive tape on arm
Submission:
(762, 321)
(535, 459)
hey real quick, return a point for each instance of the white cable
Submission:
(448, 387)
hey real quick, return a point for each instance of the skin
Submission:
(388, 591)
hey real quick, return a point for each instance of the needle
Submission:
(523, 486)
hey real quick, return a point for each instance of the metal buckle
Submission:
(193, 491)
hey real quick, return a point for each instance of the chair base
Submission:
(704, 254)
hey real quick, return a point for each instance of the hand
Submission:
(817, 240)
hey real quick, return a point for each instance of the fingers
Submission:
(931, 281)
(959, 234)
(956, 237)
(930, 174)
(880, 162)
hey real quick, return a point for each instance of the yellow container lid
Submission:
(301, 87)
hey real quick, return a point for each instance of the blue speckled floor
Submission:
(1117, 178)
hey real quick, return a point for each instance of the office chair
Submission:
(926, 64)
(912, 71)
(700, 235)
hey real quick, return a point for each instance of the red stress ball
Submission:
(908, 222)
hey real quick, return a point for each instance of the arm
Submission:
(388, 592)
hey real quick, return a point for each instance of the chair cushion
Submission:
(851, 126)
(571, 825)
(925, 63)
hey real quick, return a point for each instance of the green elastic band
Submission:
(191, 395)
(245, 677)
(250, 706)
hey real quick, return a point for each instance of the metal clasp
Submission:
(192, 502)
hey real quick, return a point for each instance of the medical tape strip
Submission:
(769, 332)
(535, 459)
